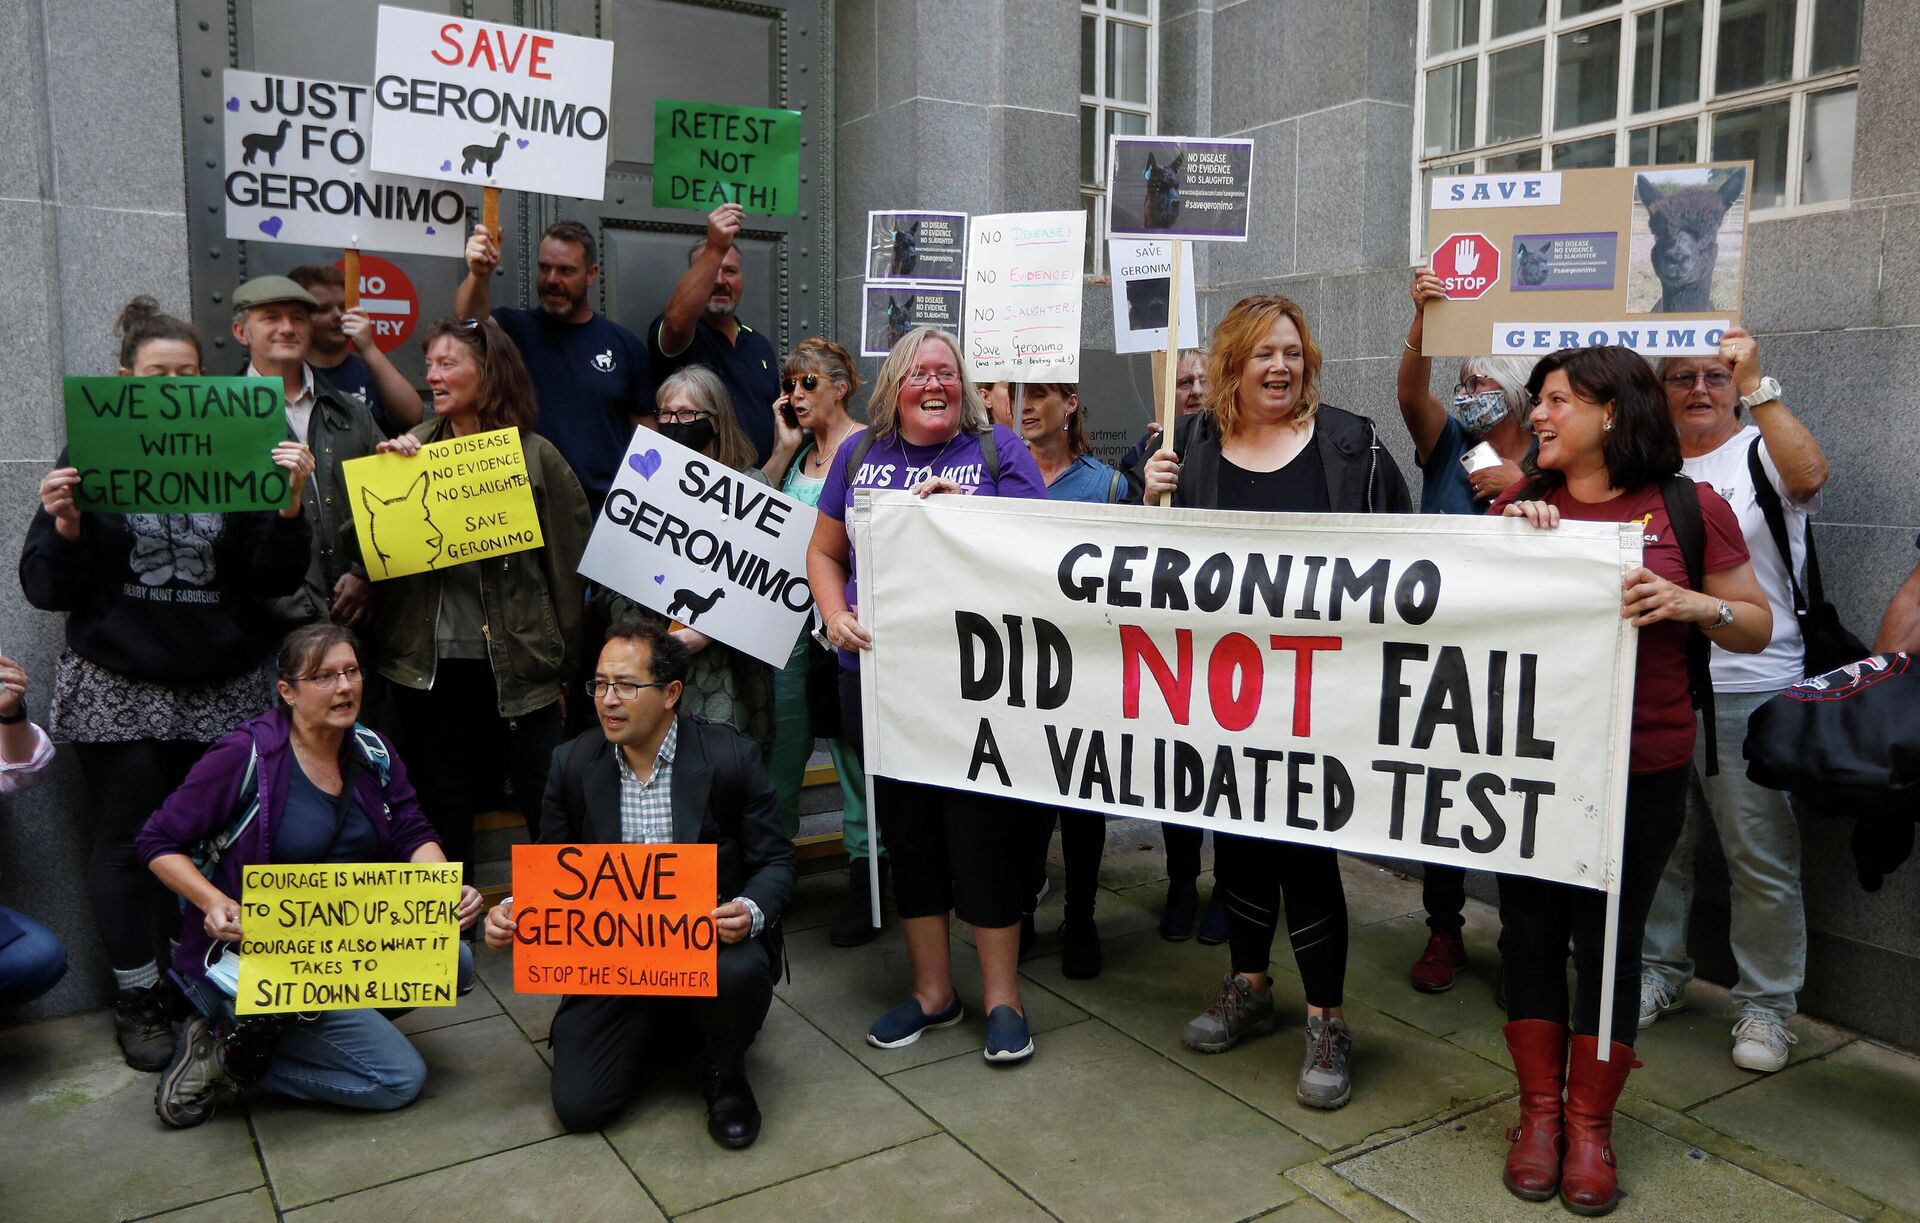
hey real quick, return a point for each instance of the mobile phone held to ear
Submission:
(787, 413)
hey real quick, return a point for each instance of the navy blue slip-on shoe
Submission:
(902, 1025)
(1008, 1039)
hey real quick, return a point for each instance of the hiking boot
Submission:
(196, 1083)
(1760, 1042)
(1657, 1000)
(1440, 963)
(854, 927)
(1213, 927)
(1183, 909)
(1325, 1079)
(1079, 949)
(1235, 1012)
(143, 1020)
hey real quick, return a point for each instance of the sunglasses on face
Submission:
(1715, 379)
(805, 381)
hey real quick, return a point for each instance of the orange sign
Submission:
(615, 919)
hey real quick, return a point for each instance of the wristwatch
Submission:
(1726, 617)
(1766, 392)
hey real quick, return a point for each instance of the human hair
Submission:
(307, 275)
(1192, 352)
(142, 323)
(693, 252)
(883, 408)
(506, 399)
(1510, 372)
(303, 648)
(1235, 338)
(576, 233)
(709, 394)
(818, 355)
(1642, 447)
(667, 656)
(1078, 441)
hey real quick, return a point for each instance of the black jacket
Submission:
(340, 428)
(1362, 477)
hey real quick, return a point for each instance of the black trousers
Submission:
(1083, 842)
(1538, 918)
(1183, 850)
(1443, 891)
(126, 783)
(1256, 872)
(600, 1043)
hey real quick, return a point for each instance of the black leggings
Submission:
(1083, 841)
(126, 783)
(1183, 850)
(1255, 873)
(1538, 918)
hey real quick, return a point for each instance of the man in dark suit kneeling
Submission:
(651, 776)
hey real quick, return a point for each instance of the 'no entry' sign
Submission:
(390, 300)
(1467, 265)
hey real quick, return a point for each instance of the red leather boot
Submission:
(1589, 1183)
(1539, 1049)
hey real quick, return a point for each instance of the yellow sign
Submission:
(463, 499)
(339, 937)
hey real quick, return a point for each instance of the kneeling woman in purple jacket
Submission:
(326, 790)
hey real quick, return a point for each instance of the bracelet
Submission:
(16, 717)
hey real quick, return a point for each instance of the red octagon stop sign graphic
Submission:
(1467, 265)
(390, 300)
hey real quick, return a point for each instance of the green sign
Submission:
(176, 445)
(706, 155)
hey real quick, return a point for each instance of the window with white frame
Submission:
(1118, 83)
(1562, 84)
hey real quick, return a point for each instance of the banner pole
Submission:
(869, 723)
(1609, 960)
(1170, 370)
(350, 273)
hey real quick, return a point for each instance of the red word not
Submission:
(1236, 676)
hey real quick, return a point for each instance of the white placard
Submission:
(1651, 337)
(1495, 191)
(1023, 296)
(1141, 274)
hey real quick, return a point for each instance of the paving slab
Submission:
(253, 1207)
(477, 1003)
(1375, 893)
(531, 1013)
(1853, 1115)
(1303, 1209)
(820, 1107)
(576, 1177)
(486, 1092)
(68, 1101)
(817, 899)
(1060, 1128)
(1452, 1171)
(1380, 958)
(926, 1180)
(1690, 1053)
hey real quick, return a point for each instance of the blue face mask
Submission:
(224, 973)
(1479, 413)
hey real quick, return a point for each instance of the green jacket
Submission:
(531, 602)
(341, 428)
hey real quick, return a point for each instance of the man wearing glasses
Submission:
(651, 776)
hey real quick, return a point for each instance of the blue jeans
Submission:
(1760, 840)
(31, 964)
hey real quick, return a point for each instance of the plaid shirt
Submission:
(646, 808)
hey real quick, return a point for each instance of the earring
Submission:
(1608, 427)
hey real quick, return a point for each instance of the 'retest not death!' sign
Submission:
(706, 154)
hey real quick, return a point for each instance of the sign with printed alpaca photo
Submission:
(916, 247)
(890, 311)
(709, 547)
(459, 500)
(470, 101)
(1142, 292)
(1649, 258)
(1179, 187)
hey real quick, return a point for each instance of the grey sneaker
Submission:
(1236, 1011)
(1657, 1000)
(196, 1083)
(1325, 1079)
(1760, 1042)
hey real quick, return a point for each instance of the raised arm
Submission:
(1802, 467)
(1425, 415)
(475, 295)
(398, 399)
(690, 296)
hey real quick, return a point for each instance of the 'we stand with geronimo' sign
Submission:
(1446, 690)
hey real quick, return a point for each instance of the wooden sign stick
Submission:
(1170, 368)
(351, 274)
(490, 214)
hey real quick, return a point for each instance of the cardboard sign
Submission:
(459, 500)
(297, 173)
(389, 298)
(916, 247)
(1454, 690)
(615, 919)
(176, 445)
(1179, 187)
(471, 101)
(706, 546)
(1023, 296)
(890, 311)
(706, 154)
(1142, 275)
(1651, 258)
(339, 937)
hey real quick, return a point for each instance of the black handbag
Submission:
(823, 690)
(1828, 643)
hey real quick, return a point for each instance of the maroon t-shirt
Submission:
(1663, 719)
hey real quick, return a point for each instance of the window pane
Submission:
(1584, 154)
(1513, 16)
(1452, 103)
(1666, 57)
(1091, 150)
(1665, 145)
(1588, 86)
(1506, 163)
(1515, 81)
(1579, 8)
(1454, 24)
(1125, 123)
(1826, 168)
(1836, 35)
(1757, 134)
(1756, 44)
(1089, 32)
(1136, 7)
(1127, 62)
(1426, 191)
(1095, 207)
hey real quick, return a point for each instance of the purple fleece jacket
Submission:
(204, 805)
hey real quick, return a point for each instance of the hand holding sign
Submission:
(723, 226)
(297, 461)
(483, 252)
(56, 498)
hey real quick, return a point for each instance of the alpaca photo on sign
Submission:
(1689, 238)
(899, 249)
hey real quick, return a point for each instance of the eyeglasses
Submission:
(922, 378)
(683, 416)
(626, 690)
(805, 381)
(330, 680)
(1715, 379)
(1475, 385)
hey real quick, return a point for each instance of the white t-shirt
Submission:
(1725, 470)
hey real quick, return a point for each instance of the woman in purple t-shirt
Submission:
(951, 850)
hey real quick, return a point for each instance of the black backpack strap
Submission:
(990, 457)
(1776, 517)
(859, 452)
(1682, 497)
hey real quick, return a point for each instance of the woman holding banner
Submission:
(1263, 441)
(167, 640)
(304, 782)
(1607, 453)
(501, 634)
(951, 850)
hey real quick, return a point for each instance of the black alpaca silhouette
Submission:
(906, 251)
(484, 153)
(1163, 191)
(260, 142)
(694, 605)
(899, 319)
(1686, 238)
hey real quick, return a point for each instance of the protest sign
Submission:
(389, 298)
(615, 919)
(341, 936)
(916, 247)
(470, 101)
(459, 500)
(1649, 258)
(706, 154)
(297, 172)
(1142, 275)
(1023, 296)
(176, 445)
(889, 311)
(704, 545)
(1179, 187)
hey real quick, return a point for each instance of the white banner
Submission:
(1023, 296)
(712, 548)
(1453, 690)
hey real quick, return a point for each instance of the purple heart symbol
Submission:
(271, 227)
(659, 579)
(646, 464)
(233, 104)
(446, 166)
(520, 143)
(431, 231)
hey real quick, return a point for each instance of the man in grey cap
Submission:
(273, 320)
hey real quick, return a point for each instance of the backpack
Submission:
(989, 455)
(370, 753)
